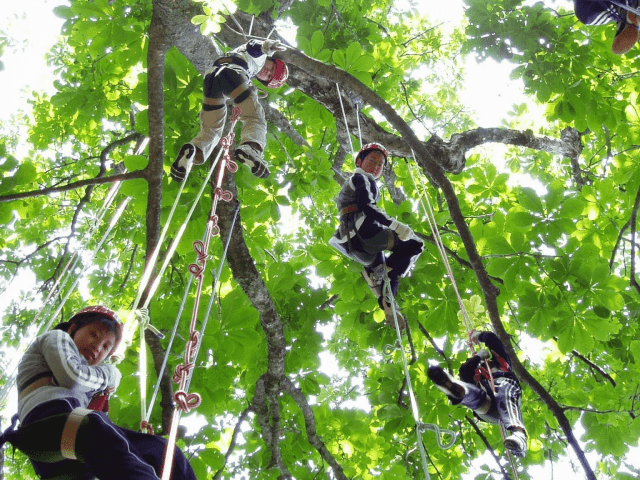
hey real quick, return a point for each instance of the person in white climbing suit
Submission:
(502, 403)
(230, 78)
(366, 231)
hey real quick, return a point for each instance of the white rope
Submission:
(431, 219)
(414, 405)
(358, 118)
(151, 265)
(465, 316)
(346, 125)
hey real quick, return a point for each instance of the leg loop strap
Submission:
(70, 431)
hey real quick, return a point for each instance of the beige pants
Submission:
(254, 126)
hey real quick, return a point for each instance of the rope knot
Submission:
(192, 344)
(182, 371)
(186, 401)
(146, 427)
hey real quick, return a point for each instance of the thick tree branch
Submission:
(310, 427)
(73, 186)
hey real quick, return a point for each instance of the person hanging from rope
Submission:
(64, 428)
(475, 391)
(230, 78)
(601, 12)
(366, 231)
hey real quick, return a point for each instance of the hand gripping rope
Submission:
(186, 401)
(431, 219)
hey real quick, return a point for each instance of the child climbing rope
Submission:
(57, 378)
(230, 78)
(475, 392)
(366, 231)
(600, 12)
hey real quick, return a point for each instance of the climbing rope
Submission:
(144, 282)
(346, 125)
(428, 210)
(186, 401)
(420, 427)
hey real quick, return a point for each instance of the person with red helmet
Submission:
(63, 430)
(366, 231)
(230, 78)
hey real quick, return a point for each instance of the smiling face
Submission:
(373, 163)
(94, 341)
(267, 72)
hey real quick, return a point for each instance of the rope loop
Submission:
(187, 401)
(196, 270)
(232, 166)
(423, 427)
(225, 195)
(235, 113)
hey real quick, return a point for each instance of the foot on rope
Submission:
(375, 279)
(444, 382)
(516, 443)
(252, 158)
(627, 35)
(184, 158)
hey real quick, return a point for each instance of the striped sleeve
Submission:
(366, 193)
(70, 368)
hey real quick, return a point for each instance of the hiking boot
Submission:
(252, 158)
(184, 158)
(516, 443)
(626, 36)
(444, 382)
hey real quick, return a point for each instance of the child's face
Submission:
(373, 163)
(94, 341)
(267, 72)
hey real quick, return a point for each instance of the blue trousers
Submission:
(109, 452)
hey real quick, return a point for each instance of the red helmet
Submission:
(369, 147)
(107, 312)
(280, 74)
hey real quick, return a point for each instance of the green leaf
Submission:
(26, 174)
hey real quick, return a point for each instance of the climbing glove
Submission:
(269, 47)
(404, 231)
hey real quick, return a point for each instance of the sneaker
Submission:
(252, 158)
(184, 158)
(626, 36)
(516, 443)
(444, 382)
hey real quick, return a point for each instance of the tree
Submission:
(554, 264)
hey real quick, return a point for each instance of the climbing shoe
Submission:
(184, 158)
(516, 443)
(626, 36)
(444, 382)
(252, 158)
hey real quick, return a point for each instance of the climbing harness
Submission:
(186, 401)
(428, 211)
